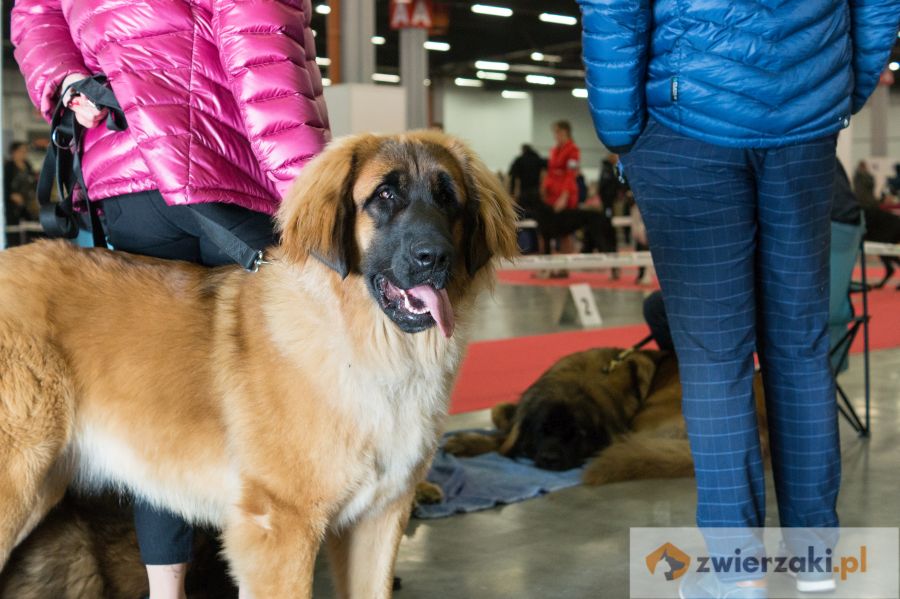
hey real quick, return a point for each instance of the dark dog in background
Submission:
(884, 227)
(86, 548)
(599, 234)
(621, 415)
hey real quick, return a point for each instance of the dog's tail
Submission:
(640, 456)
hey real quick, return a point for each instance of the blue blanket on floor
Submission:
(482, 482)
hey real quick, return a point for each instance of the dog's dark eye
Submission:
(386, 193)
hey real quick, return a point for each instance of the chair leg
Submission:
(848, 411)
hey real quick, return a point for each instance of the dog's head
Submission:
(416, 217)
(576, 409)
(557, 428)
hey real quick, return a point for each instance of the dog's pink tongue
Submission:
(438, 303)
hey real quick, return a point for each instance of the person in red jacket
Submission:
(224, 106)
(560, 186)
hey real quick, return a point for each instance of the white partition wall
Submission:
(495, 127)
(365, 107)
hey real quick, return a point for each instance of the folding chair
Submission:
(844, 323)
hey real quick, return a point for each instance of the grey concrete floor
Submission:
(573, 544)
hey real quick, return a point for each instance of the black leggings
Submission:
(142, 223)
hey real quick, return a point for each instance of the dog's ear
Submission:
(509, 446)
(317, 218)
(503, 415)
(489, 216)
(643, 368)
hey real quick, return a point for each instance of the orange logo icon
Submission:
(677, 561)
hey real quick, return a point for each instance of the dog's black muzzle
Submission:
(427, 253)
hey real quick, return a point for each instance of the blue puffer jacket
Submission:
(740, 73)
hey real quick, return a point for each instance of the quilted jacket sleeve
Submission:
(44, 50)
(616, 40)
(268, 52)
(874, 24)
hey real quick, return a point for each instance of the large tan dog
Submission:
(299, 403)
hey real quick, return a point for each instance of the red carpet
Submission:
(499, 371)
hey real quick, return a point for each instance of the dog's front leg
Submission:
(272, 546)
(362, 555)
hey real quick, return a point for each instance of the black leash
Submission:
(623, 355)
(208, 215)
(62, 163)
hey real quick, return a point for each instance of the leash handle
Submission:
(62, 163)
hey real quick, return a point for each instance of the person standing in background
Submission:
(610, 187)
(864, 185)
(20, 183)
(224, 106)
(725, 115)
(525, 172)
(560, 188)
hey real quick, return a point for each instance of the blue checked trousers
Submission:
(740, 240)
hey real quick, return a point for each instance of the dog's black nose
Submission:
(550, 460)
(432, 255)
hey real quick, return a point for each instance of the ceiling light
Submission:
(323, 61)
(463, 82)
(378, 40)
(547, 17)
(579, 92)
(894, 66)
(490, 65)
(437, 46)
(492, 75)
(385, 78)
(541, 57)
(496, 11)
(540, 79)
(326, 81)
(323, 9)
(514, 95)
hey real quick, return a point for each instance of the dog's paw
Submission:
(595, 475)
(465, 445)
(428, 493)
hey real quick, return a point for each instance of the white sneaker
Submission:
(809, 582)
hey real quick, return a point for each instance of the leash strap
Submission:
(208, 215)
(62, 163)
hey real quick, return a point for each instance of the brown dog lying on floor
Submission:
(287, 407)
(86, 548)
(621, 416)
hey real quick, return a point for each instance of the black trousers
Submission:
(142, 223)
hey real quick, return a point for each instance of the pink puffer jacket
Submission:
(223, 97)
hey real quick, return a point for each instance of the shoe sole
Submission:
(816, 586)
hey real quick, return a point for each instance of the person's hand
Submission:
(86, 113)
(561, 202)
(17, 199)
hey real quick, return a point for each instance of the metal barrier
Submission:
(617, 221)
(620, 259)
(579, 261)
(882, 249)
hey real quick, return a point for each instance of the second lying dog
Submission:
(621, 416)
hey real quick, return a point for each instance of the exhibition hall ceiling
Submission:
(503, 44)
